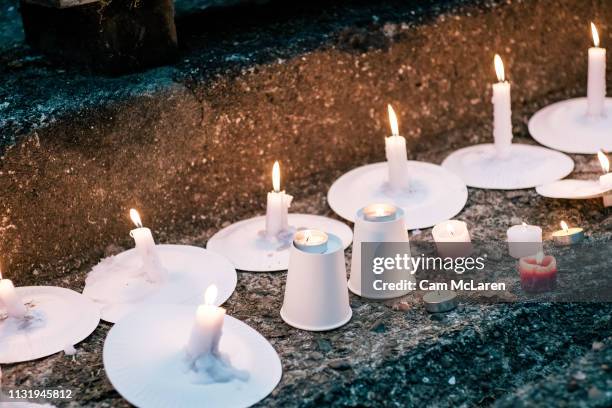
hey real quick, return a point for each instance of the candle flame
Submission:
(539, 257)
(276, 177)
(564, 226)
(210, 295)
(605, 163)
(135, 218)
(380, 211)
(524, 224)
(393, 121)
(595, 35)
(450, 229)
(0, 275)
(499, 68)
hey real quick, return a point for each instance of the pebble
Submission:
(595, 393)
(579, 375)
(69, 350)
(426, 380)
(339, 364)
(452, 380)
(597, 346)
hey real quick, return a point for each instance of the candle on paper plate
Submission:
(397, 159)
(606, 180)
(596, 87)
(311, 241)
(524, 240)
(145, 246)
(502, 111)
(208, 326)
(568, 236)
(277, 208)
(452, 239)
(379, 212)
(538, 273)
(10, 299)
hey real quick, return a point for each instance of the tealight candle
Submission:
(596, 87)
(440, 301)
(502, 110)
(145, 245)
(605, 181)
(208, 326)
(568, 236)
(277, 209)
(395, 150)
(524, 240)
(379, 212)
(11, 300)
(451, 238)
(538, 273)
(312, 241)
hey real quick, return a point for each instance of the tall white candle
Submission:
(502, 111)
(596, 87)
(524, 240)
(208, 327)
(397, 159)
(10, 299)
(277, 208)
(145, 246)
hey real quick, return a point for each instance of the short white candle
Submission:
(379, 212)
(145, 246)
(208, 326)
(567, 235)
(502, 111)
(11, 300)
(277, 208)
(311, 241)
(524, 240)
(451, 231)
(397, 159)
(596, 87)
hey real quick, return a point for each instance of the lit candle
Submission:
(12, 302)
(379, 212)
(145, 245)
(395, 150)
(606, 180)
(524, 240)
(502, 111)
(568, 236)
(312, 241)
(278, 204)
(208, 326)
(538, 273)
(596, 88)
(452, 239)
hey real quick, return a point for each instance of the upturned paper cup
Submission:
(316, 298)
(387, 230)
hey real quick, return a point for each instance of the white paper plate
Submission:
(435, 194)
(564, 126)
(57, 317)
(191, 270)
(245, 245)
(143, 357)
(526, 166)
(572, 189)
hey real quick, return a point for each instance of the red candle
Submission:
(538, 273)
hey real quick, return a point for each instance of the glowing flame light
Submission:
(564, 226)
(210, 295)
(524, 224)
(276, 176)
(539, 257)
(595, 35)
(135, 218)
(605, 163)
(450, 229)
(499, 68)
(393, 121)
(380, 211)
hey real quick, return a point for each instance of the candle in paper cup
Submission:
(524, 240)
(596, 87)
(208, 326)
(395, 150)
(502, 110)
(10, 299)
(145, 246)
(277, 209)
(379, 212)
(538, 273)
(312, 241)
(452, 239)
(568, 236)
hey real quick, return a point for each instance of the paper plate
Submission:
(114, 287)
(572, 189)
(526, 166)
(435, 194)
(57, 317)
(565, 126)
(246, 246)
(143, 358)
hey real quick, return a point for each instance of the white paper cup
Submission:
(316, 298)
(387, 230)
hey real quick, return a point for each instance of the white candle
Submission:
(11, 300)
(596, 88)
(277, 208)
(524, 240)
(567, 235)
(502, 111)
(379, 212)
(145, 246)
(451, 231)
(397, 159)
(208, 326)
(311, 241)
